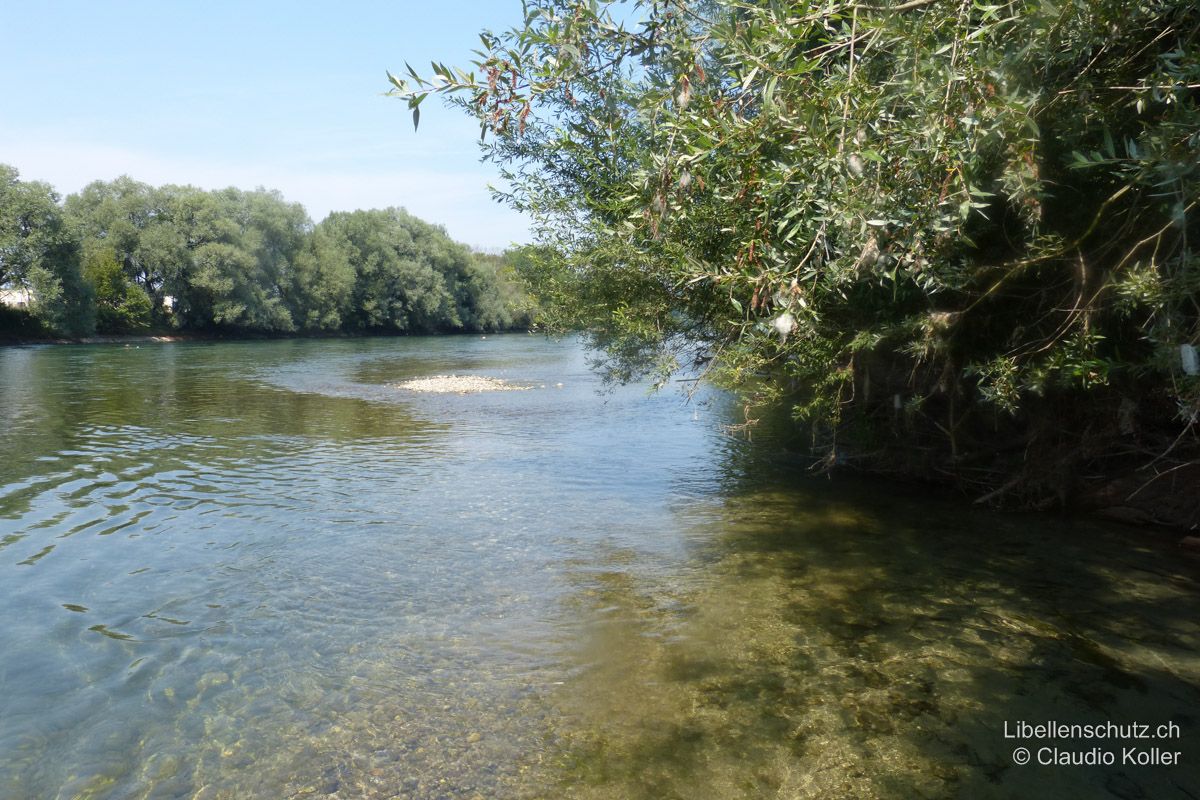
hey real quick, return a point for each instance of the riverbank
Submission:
(10, 339)
(148, 339)
(16, 340)
(1077, 467)
(1162, 496)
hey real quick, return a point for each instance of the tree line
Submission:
(123, 257)
(958, 233)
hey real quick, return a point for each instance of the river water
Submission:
(260, 570)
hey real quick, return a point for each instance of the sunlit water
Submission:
(258, 570)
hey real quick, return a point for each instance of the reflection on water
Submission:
(258, 570)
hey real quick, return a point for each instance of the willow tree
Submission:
(39, 254)
(951, 224)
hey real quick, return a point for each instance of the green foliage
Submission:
(409, 276)
(322, 282)
(396, 287)
(129, 221)
(38, 254)
(237, 261)
(122, 306)
(227, 289)
(500, 291)
(967, 206)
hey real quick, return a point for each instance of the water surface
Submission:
(259, 570)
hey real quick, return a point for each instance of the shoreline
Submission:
(193, 336)
(1121, 496)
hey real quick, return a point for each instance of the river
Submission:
(260, 570)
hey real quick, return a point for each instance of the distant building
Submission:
(15, 298)
(168, 302)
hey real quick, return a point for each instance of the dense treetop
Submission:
(123, 256)
(40, 256)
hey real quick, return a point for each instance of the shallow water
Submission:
(258, 570)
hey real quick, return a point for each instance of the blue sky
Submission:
(285, 95)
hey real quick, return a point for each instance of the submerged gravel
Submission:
(460, 384)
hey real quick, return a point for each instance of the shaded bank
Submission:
(1065, 463)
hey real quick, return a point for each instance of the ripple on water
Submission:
(254, 570)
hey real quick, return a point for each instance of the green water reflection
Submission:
(258, 570)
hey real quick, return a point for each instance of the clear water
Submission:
(258, 570)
